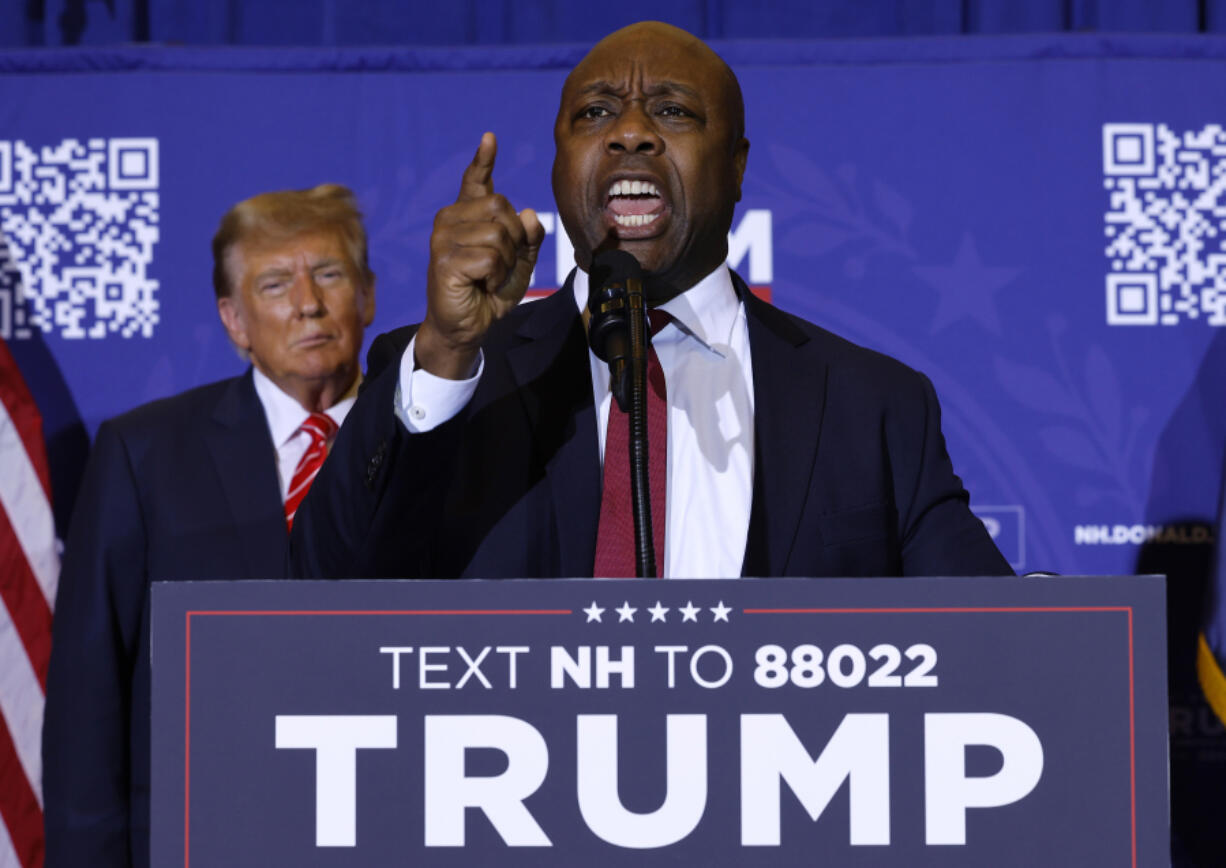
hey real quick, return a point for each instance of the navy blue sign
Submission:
(913, 722)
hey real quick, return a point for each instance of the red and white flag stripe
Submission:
(29, 570)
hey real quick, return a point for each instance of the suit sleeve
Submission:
(99, 609)
(385, 352)
(940, 535)
(371, 510)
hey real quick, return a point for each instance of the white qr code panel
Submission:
(78, 226)
(1165, 224)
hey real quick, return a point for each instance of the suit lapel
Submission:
(789, 398)
(549, 364)
(245, 461)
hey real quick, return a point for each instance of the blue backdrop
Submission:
(1032, 221)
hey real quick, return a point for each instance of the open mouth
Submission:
(634, 204)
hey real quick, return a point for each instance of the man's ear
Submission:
(231, 313)
(741, 158)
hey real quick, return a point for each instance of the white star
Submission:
(689, 612)
(625, 612)
(720, 611)
(657, 612)
(593, 612)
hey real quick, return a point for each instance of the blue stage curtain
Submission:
(25, 23)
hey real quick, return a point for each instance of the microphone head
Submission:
(609, 326)
(613, 266)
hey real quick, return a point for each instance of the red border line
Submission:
(1132, 738)
(246, 612)
(938, 610)
(1132, 723)
(187, 741)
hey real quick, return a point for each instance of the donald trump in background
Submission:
(202, 485)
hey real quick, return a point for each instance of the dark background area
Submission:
(34, 23)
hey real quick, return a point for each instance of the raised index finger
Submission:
(478, 177)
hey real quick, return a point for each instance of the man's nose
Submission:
(634, 132)
(306, 295)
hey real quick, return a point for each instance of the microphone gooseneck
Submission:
(617, 333)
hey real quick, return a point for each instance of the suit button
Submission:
(376, 461)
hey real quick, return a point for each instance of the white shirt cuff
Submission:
(424, 401)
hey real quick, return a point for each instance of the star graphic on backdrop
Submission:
(720, 612)
(966, 287)
(657, 612)
(593, 612)
(625, 612)
(689, 612)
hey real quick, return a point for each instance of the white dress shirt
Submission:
(704, 354)
(285, 416)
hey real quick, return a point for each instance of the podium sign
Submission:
(884, 722)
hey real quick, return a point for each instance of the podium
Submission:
(885, 722)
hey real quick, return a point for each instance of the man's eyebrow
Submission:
(272, 271)
(657, 89)
(596, 87)
(671, 87)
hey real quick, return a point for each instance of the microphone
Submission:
(614, 277)
(617, 332)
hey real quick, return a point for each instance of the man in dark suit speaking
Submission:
(478, 446)
(198, 486)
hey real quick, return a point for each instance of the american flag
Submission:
(29, 570)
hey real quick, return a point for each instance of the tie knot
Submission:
(658, 319)
(320, 427)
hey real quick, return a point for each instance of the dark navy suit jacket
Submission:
(179, 489)
(851, 475)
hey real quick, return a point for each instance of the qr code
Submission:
(1166, 224)
(78, 224)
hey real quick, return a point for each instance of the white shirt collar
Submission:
(708, 310)
(285, 415)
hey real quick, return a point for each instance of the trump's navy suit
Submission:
(179, 489)
(851, 475)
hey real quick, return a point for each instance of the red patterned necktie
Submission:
(321, 428)
(615, 550)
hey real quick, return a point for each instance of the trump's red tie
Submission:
(615, 551)
(321, 428)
